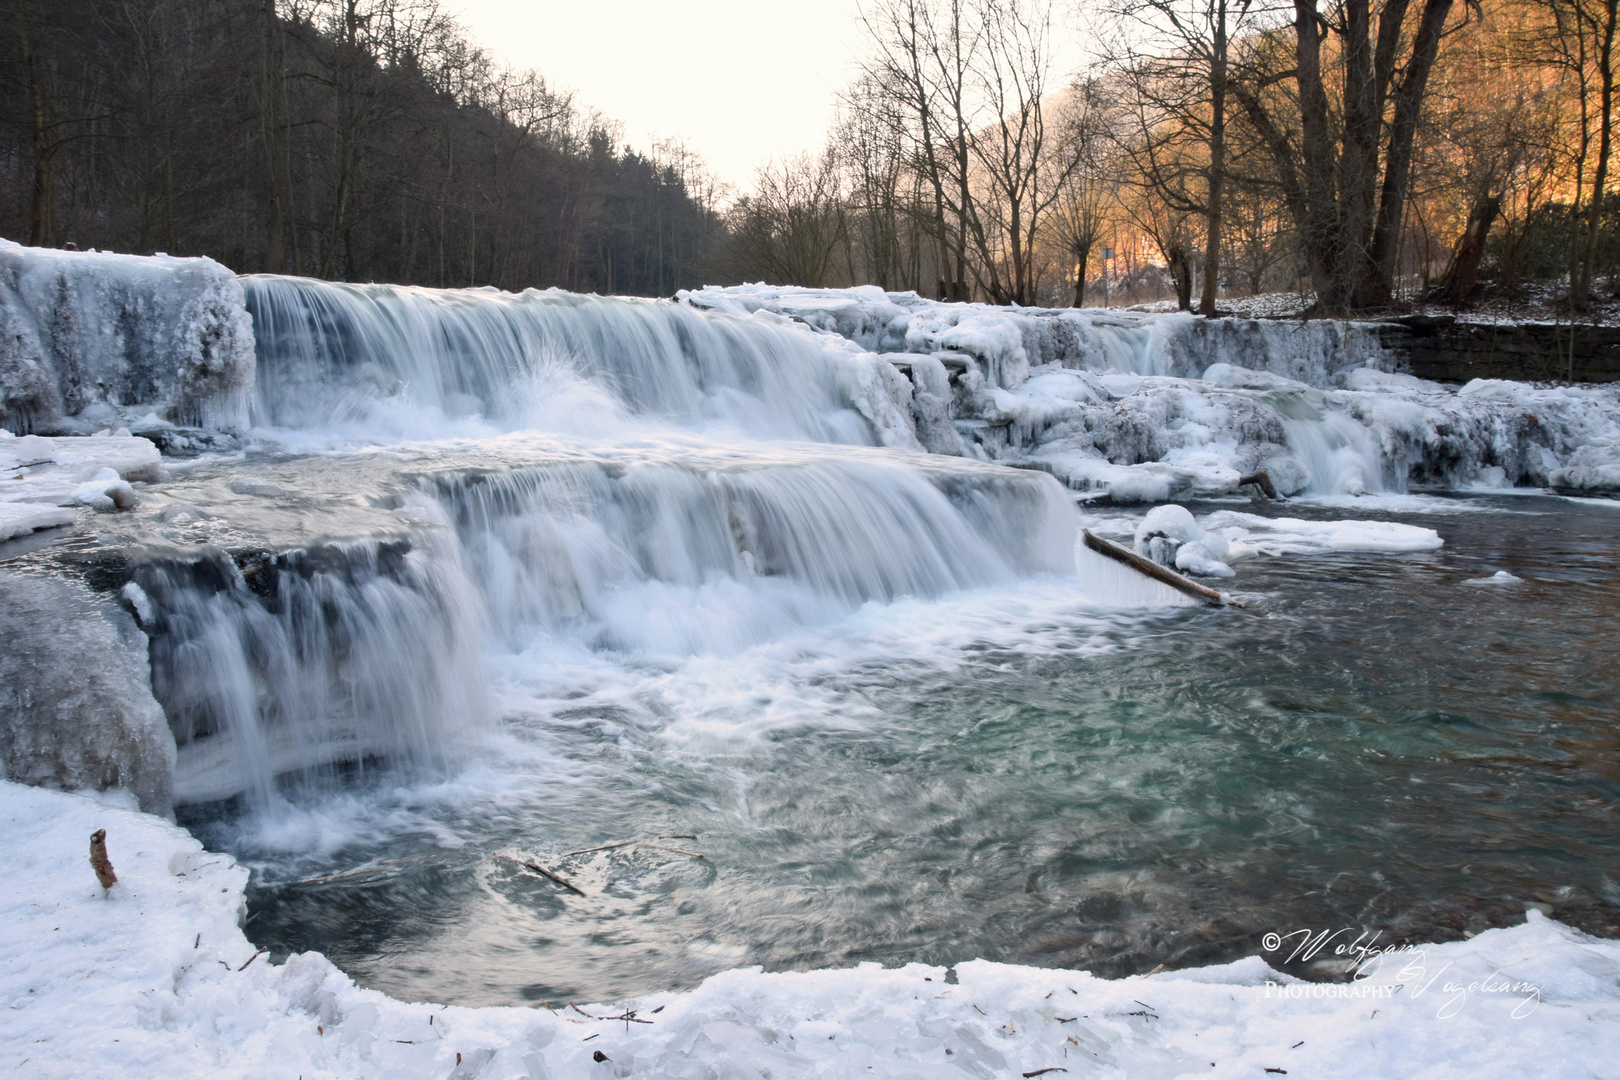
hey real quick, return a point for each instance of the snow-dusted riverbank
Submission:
(155, 979)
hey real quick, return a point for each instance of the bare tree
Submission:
(790, 229)
(1174, 58)
(1086, 184)
(1346, 171)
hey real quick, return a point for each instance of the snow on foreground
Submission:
(42, 479)
(155, 979)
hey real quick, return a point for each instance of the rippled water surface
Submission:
(1374, 743)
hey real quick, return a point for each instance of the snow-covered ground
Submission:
(154, 978)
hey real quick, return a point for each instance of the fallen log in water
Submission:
(1148, 567)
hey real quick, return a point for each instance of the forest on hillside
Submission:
(346, 139)
(1361, 153)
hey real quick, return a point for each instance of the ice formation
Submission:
(92, 340)
(177, 991)
(1155, 407)
(1170, 535)
(76, 704)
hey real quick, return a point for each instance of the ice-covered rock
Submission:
(88, 337)
(1501, 577)
(105, 491)
(1149, 407)
(1010, 341)
(76, 704)
(1171, 536)
(1591, 469)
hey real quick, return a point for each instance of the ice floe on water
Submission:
(154, 978)
(1501, 577)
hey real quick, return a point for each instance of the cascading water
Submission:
(334, 355)
(322, 655)
(629, 478)
(688, 556)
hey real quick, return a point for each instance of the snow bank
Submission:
(89, 340)
(155, 979)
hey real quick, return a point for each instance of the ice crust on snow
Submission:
(90, 339)
(19, 519)
(38, 472)
(1158, 407)
(176, 991)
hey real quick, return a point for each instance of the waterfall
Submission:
(343, 355)
(633, 478)
(292, 663)
(685, 556)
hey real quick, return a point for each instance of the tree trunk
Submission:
(1462, 274)
(1376, 286)
(1580, 290)
(39, 215)
(278, 166)
(1080, 279)
(1217, 165)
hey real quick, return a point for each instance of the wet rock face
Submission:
(76, 704)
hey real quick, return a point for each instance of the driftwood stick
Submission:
(676, 850)
(543, 872)
(559, 879)
(629, 843)
(99, 861)
(1148, 567)
(604, 847)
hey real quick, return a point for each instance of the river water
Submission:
(1378, 742)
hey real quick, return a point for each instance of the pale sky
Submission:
(739, 81)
